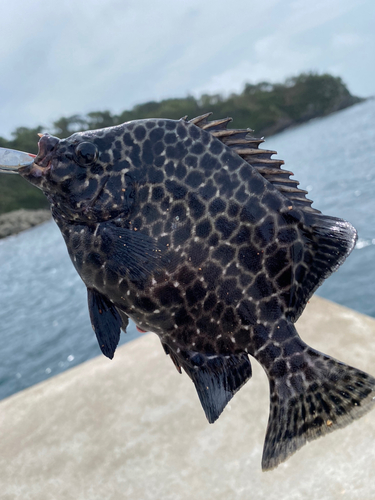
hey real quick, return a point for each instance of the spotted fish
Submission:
(196, 234)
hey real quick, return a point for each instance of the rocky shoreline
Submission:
(20, 220)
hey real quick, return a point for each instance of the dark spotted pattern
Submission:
(199, 236)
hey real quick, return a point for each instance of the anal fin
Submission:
(217, 378)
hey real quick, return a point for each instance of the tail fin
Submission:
(320, 395)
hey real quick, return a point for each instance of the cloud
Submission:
(305, 16)
(347, 40)
(272, 59)
(61, 58)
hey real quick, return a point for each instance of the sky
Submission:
(60, 58)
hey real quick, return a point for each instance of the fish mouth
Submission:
(11, 160)
(19, 162)
(46, 147)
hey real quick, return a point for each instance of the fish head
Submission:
(80, 176)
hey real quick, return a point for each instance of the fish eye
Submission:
(86, 153)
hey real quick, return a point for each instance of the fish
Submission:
(197, 234)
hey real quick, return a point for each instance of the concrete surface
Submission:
(133, 428)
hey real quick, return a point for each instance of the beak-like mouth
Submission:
(11, 160)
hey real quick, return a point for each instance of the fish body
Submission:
(196, 234)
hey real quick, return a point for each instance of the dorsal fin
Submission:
(327, 240)
(247, 147)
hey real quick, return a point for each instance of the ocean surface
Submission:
(44, 322)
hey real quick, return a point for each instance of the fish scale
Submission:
(196, 234)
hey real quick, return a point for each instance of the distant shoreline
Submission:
(19, 220)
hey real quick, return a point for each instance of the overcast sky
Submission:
(59, 58)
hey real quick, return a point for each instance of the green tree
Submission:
(66, 126)
(100, 119)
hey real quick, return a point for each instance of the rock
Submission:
(19, 220)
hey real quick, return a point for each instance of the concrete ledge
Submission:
(133, 428)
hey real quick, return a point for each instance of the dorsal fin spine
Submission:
(217, 124)
(247, 147)
(271, 171)
(200, 120)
